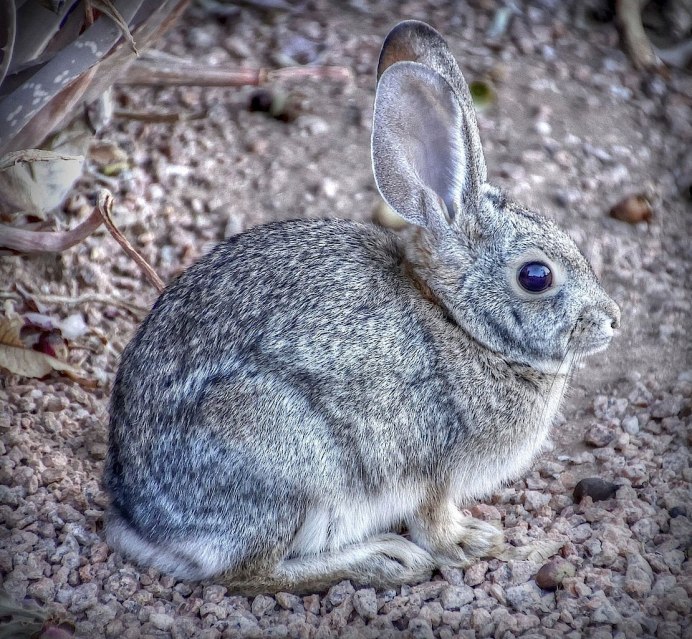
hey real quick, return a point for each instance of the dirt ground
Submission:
(573, 130)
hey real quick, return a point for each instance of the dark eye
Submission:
(535, 277)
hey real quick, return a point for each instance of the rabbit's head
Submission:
(507, 276)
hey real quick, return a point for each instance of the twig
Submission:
(48, 241)
(85, 298)
(146, 73)
(637, 42)
(153, 116)
(104, 206)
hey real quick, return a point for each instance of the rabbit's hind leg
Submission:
(451, 537)
(383, 561)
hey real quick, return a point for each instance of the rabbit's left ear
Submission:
(417, 152)
(433, 124)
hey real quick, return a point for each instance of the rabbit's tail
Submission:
(195, 559)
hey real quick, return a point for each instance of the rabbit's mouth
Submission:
(595, 347)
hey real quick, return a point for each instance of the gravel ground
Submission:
(574, 130)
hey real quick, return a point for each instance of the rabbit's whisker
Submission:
(569, 363)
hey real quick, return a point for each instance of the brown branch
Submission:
(146, 73)
(104, 206)
(637, 42)
(48, 241)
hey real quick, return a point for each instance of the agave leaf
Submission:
(70, 28)
(53, 5)
(8, 18)
(107, 8)
(36, 25)
(35, 181)
(19, 107)
(27, 123)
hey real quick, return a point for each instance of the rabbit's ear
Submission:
(417, 147)
(414, 41)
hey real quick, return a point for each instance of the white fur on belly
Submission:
(349, 521)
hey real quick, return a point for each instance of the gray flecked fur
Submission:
(310, 386)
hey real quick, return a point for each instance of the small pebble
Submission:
(262, 604)
(454, 597)
(631, 425)
(365, 603)
(475, 574)
(338, 593)
(551, 575)
(289, 601)
(599, 436)
(161, 621)
(542, 128)
(594, 487)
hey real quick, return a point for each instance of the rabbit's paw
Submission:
(398, 560)
(454, 539)
(478, 538)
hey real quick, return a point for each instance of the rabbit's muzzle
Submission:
(596, 327)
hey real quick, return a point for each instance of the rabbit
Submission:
(316, 400)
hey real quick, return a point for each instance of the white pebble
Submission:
(631, 425)
(542, 128)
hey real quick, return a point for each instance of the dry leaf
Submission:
(20, 360)
(104, 153)
(35, 181)
(633, 209)
(72, 327)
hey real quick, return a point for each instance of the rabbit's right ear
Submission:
(441, 128)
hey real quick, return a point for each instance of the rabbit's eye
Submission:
(535, 277)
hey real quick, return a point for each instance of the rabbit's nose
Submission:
(614, 314)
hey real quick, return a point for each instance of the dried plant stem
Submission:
(154, 116)
(85, 298)
(148, 73)
(48, 241)
(105, 205)
(636, 41)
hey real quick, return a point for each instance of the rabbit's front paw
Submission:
(453, 538)
(478, 538)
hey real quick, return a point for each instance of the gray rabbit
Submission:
(310, 387)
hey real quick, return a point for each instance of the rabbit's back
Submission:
(317, 298)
